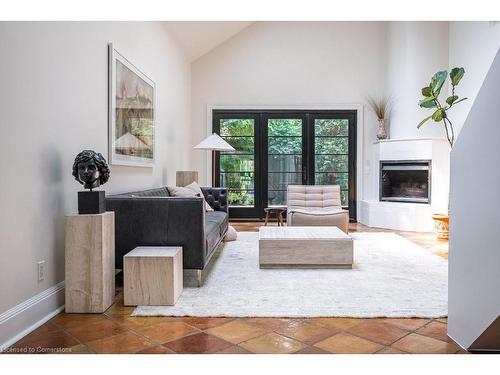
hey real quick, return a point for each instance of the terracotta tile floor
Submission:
(116, 331)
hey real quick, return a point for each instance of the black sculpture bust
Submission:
(91, 170)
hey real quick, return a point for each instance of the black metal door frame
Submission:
(288, 115)
(256, 210)
(260, 118)
(351, 116)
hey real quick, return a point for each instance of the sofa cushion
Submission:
(220, 218)
(212, 235)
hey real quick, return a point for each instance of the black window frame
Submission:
(260, 117)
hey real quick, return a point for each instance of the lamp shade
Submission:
(214, 143)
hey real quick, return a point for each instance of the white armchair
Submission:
(316, 205)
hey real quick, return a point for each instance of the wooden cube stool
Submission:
(152, 276)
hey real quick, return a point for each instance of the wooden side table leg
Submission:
(280, 219)
(266, 219)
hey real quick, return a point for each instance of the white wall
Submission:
(53, 101)
(416, 50)
(473, 46)
(474, 259)
(290, 63)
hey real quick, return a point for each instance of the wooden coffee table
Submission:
(304, 247)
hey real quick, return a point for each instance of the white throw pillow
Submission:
(193, 186)
(231, 234)
(177, 191)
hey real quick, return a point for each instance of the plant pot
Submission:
(441, 224)
(382, 133)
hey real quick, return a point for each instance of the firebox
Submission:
(405, 181)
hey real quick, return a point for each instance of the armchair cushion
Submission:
(310, 205)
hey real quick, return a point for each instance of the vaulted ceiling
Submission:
(197, 38)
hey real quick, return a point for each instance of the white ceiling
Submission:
(198, 38)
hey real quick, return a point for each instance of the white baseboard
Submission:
(24, 318)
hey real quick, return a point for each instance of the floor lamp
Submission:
(214, 143)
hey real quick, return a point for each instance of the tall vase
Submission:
(382, 133)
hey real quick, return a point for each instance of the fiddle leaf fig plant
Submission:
(431, 100)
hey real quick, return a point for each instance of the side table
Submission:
(277, 211)
(152, 276)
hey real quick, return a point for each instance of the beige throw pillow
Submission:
(231, 234)
(177, 191)
(191, 190)
(196, 189)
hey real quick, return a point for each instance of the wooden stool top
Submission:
(154, 251)
(274, 209)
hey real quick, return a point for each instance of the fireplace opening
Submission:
(405, 181)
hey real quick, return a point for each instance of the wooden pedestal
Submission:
(90, 262)
(184, 178)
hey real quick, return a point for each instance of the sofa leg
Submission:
(199, 278)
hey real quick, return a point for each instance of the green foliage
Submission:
(240, 198)
(437, 82)
(438, 115)
(237, 127)
(456, 75)
(424, 121)
(331, 145)
(451, 99)
(242, 145)
(284, 155)
(280, 128)
(458, 101)
(237, 167)
(331, 127)
(327, 163)
(427, 91)
(431, 100)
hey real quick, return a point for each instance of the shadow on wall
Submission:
(48, 224)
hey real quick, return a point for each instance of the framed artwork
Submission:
(132, 107)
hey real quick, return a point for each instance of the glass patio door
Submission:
(284, 151)
(333, 145)
(274, 149)
(239, 170)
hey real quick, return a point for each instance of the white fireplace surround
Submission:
(402, 215)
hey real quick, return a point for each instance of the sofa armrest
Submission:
(186, 228)
(159, 221)
(216, 198)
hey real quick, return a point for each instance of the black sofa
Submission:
(154, 218)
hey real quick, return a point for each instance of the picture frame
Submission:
(132, 112)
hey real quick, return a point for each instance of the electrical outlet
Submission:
(41, 270)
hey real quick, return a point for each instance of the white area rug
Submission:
(391, 277)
